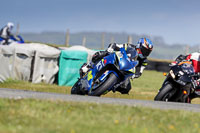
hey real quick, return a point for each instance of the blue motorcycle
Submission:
(17, 39)
(108, 73)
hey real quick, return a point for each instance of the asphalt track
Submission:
(22, 94)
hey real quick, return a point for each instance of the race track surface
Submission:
(18, 94)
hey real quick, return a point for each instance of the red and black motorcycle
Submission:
(180, 84)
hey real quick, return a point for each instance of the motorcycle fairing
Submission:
(108, 65)
(20, 40)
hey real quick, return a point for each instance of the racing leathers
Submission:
(5, 33)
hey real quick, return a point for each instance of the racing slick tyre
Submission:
(76, 89)
(165, 93)
(103, 87)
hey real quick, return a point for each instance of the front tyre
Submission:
(76, 89)
(166, 93)
(103, 88)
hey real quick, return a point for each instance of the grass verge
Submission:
(22, 116)
(42, 87)
(145, 87)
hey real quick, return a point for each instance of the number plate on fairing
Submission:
(100, 65)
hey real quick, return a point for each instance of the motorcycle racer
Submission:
(194, 58)
(5, 32)
(143, 48)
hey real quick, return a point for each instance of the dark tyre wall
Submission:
(158, 66)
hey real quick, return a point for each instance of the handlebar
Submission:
(196, 75)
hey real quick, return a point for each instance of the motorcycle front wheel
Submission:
(76, 89)
(166, 93)
(102, 88)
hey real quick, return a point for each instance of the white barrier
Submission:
(30, 62)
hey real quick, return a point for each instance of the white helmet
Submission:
(10, 25)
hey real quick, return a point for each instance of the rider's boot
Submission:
(125, 87)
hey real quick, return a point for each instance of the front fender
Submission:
(106, 73)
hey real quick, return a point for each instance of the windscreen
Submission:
(187, 68)
(132, 53)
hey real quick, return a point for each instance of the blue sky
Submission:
(177, 21)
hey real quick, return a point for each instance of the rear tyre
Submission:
(166, 93)
(103, 88)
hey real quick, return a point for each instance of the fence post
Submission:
(67, 39)
(187, 49)
(17, 30)
(84, 41)
(112, 40)
(103, 39)
(129, 39)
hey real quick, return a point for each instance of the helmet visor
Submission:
(145, 51)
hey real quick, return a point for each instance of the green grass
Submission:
(46, 116)
(42, 116)
(145, 87)
(34, 87)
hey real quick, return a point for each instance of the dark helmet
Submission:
(145, 45)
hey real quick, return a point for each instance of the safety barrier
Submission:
(158, 65)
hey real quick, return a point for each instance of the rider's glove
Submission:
(110, 50)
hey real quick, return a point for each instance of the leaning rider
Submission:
(5, 32)
(143, 47)
(194, 58)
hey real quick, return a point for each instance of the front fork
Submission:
(186, 93)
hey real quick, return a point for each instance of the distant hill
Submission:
(94, 40)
